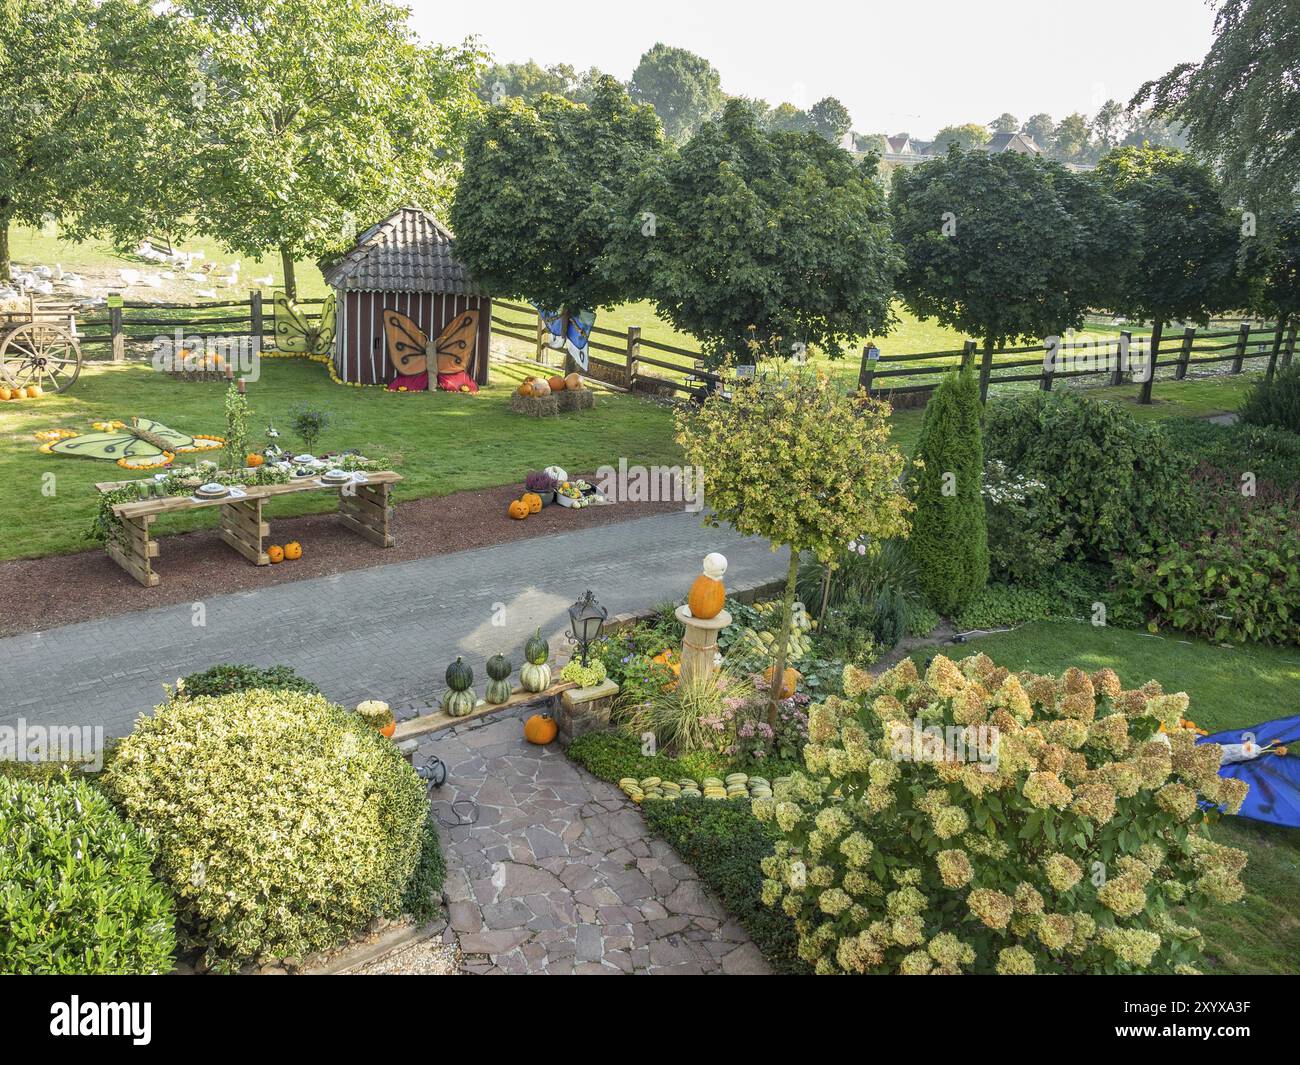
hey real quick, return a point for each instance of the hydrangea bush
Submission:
(284, 823)
(1065, 838)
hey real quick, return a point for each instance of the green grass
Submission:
(1229, 688)
(438, 441)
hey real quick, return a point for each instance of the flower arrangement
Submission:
(975, 820)
(539, 482)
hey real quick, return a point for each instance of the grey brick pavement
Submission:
(385, 633)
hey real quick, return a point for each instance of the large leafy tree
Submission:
(542, 195)
(316, 117)
(682, 87)
(85, 90)
(830, 118)
(1241, 104)
(786, 118)
(970, 135)
(1042, 128)
(529, 80)
(792, 458)
(1005, 123)
(1188, 269)
(768, 234)
(1003, 247)
(1072, 139)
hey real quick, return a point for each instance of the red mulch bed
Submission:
(42, 593)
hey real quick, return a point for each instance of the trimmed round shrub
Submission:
(224, 679)
(975, 820)
(77, 894)
(284, 823)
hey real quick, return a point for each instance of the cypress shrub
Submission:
(949, 541)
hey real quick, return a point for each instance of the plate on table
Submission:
(212, 490)
(336, 476)
(304, 460)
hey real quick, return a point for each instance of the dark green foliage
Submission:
(614, 755)
(1275, 404)
(423, 898)
(949, 539)
(682, 87)
(725, 844)
(1271, 454)
(875, 594)
(224, 679)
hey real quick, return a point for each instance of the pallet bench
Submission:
(363, 508)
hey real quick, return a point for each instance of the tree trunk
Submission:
(783, 640)
(6, 273)
(290, 281)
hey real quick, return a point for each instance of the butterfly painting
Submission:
(452, 353)
(568, 332)
(141, 445)
(294, 331)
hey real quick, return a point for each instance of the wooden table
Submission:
(363, 508)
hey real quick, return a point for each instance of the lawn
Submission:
(1229, 688)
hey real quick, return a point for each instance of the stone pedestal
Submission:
(700, 643)
(584, 710)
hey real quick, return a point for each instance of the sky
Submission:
(910, 66)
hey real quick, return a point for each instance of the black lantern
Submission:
(586, 619)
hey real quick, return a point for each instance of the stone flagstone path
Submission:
(560, 874)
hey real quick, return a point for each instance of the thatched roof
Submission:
(409, 251)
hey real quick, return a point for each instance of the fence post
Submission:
(1049, 364)
(1185, 354)
(986, 370)
(1157, 328)
(633, 350)
(1289, 353)
(255, 313)
(1239, 354)
(967, 353)
(1121, 357)
(116, 338)
(541, 342)
(1277, 350)
(867, 371)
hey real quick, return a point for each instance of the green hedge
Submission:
(423, 898)
(226, 679)
(1275, 403)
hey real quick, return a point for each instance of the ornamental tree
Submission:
(974, 820)
(682, 87)
(759, 233)
(792, 458)
(542, 191)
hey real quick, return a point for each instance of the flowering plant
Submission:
(975, 820)
(539, 482)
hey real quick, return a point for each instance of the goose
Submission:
(152, 280)
(232, 279)
(130, 277)
(43, 272)
(196, 277)
(44, 288)
(265, 282)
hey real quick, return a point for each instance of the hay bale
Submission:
(535, 406)
(575, 399)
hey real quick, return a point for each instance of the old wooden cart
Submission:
(38, 346)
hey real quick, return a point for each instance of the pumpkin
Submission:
(537, 650)
(499, 667)
(706, 597)
(34, 391)
(293, 550)
(540, 729)
(556, 383)
(574, 380)
(254, 460)
(526, 389)
(789, 680)
(275, 553)
(533, 502)
(518, 509)
(498, 691)
(541, 388)
(17, 393)
(535, 677)
(459, 704)
(5, 394)
(459, 675)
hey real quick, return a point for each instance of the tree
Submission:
(1272, 264)
(792, 458)
(1241, 104)
(1109, 125)
(317, 117)
(1189, 240)
(542, 195)
(830, 118)
(1146, 130)
(81, 86)
(949, 540)
(682, 87)
(1042, 129)
(1005, 123)
(786, 118)
(1072, 139)
(529, 80)
(965, 137)
(1002, 247)
(763, 234)
(760, 109)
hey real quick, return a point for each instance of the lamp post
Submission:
(586, 619)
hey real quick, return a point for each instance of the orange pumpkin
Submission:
(533, 500)
(518, 509)
(293, 550)
(34, 391)
(540, 729)
(275, 553)
(254, 459)
(574, 380)
(17, 393)
(541, 388)
(789, 680)
(388, 730)
(5, 394)
(706, 597)
(526, 389)
(556, 383)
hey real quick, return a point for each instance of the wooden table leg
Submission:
(243, 529)
(132, 549)
(365, 510)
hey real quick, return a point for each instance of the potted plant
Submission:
(542, 484)
(378, 716)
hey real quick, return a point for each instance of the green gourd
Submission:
(537, 650)
(535, 676)
(459, 675)
(499, 667)
(498, 691)
(459, 703)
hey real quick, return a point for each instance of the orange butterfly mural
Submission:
(452, 353)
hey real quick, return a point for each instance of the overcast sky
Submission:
(901, 65)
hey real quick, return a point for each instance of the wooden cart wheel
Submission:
(40, 353)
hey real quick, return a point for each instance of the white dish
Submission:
(304, 460)
(336, 475)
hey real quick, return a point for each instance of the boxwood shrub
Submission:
(284, 823)
(77, 894)
(225, 679)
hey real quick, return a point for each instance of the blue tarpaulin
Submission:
(1274, 781)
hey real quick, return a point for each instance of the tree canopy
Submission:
(830, 118)
(529, 80)
(970, 135)
(774, 234)
(682, 87)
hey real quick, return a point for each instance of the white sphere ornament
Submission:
(715, 565)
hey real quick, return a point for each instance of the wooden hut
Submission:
(407, 264)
